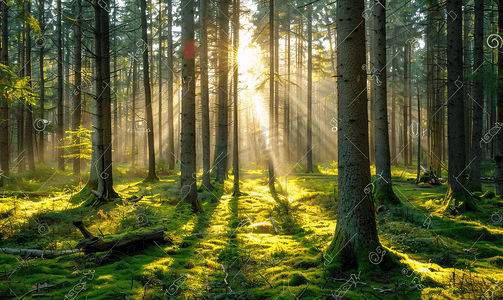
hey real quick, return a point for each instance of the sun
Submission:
(246, 59)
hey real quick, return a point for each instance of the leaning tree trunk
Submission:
(383, 188)
(148, 97)
(356, 231)
(474, 182)
(457, 199)
(188, 142)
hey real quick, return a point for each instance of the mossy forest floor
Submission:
(231, 250)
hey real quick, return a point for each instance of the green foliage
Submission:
(79, 139)
(11, 85)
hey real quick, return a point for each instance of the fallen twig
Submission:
(43, 287)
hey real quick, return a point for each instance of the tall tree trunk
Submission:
(5, 148)
(235, 154)
(457, 199)
(383, 189)
(299, 90)
(40, 43)
(309, 89)
(356, 230)
(21, 149)
(223, 110)
(474, 182)
(188, 143)
(405, 108)
(59, 49)
(498, 155)
(148, 97)
(394, 109)
(77, 107)
(171, 130)
(133, 115)
(159, 68)
(205, 109)
(272, 180)
(286, 120)
(29, 111)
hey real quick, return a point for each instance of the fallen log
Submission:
(38, 253)
(92, 244)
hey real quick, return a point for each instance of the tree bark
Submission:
(188, 142)
(235, 154)
(356, 231)
(383, 188)
(223, 110)
(41, 44)
(474, 182)
(205, 97)
(309, 89)
(148, 97)
(457, 199)
(272, 180)
(498, 155)
(5, 148)
(59, 49)
(171, 130)
(29, 111)
(77, 92)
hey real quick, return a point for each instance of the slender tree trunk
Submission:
(498, 155)
(383, 188)
(205, 109)
(286, 122)
(159, 68)
(272, 180)
(188, 143)
(21, 149)
(171, 130)
(133, 115)
(223, 110)
(309, 89)
(474, 182)
(5, 148)
(29, 111)
(148, 97)
(405, 147)
(40, 43)
(59, 49)
(394, 132)
(235, 155)
(77, 107)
